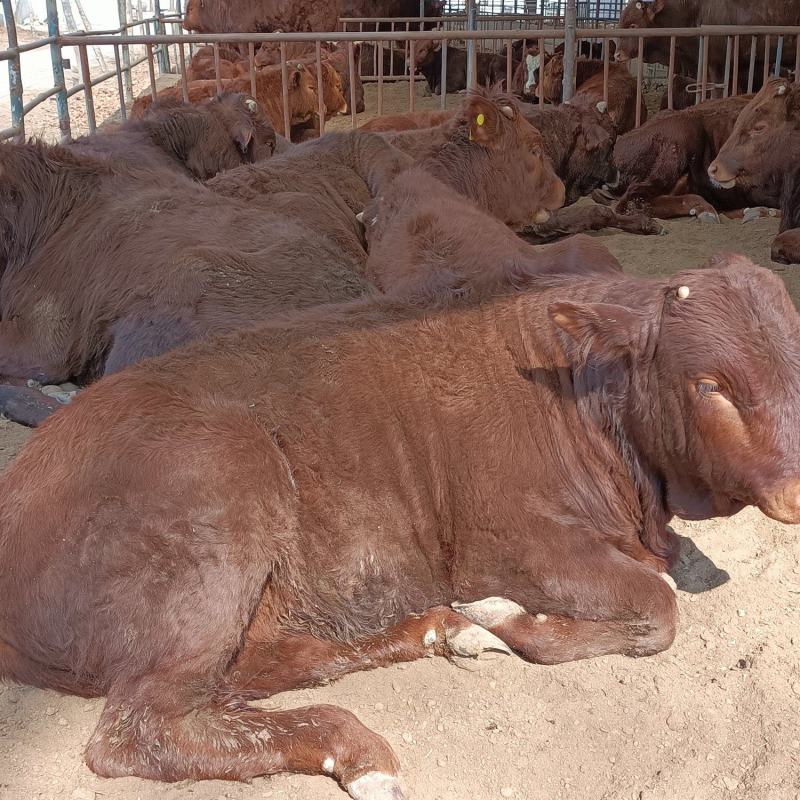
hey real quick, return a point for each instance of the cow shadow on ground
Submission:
(694, 571)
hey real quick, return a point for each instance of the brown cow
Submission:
(200, 140)
(695, 13)
(760, 155)
(414, 120)
(491, 67)
(663, 165)
(269, 94)
(202, 67)
(589, 81)
(261, 16)
(334, 487)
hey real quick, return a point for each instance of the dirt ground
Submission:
(714, 718)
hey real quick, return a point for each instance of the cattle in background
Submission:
(491, 67)
(664, 164)
(414, 120)
(261, 16)
(390, 8)
(303, 104)
(696, 13)
(681, 96)
(761, 155)
(569, 428)
(199, 140)
(589, 84)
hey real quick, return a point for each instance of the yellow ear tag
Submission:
(480, 119)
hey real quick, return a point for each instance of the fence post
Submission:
(58, 71)
(163, 53)
(14, 73)
(122, 10)
(570, 49)
(471, 60)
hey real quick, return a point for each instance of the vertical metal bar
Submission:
(797, 60)
(123, 111)
(509, 65)
(380, 77)
(698, 95)
(671, 75)
(443, 76)
(151, 69)
(14, 74)
(321, 108)
(736, 46)
(251, 59)
(184, 82)
(412, 68)
(570, 50)
(287, 122)
(779, 57)
(767, 49)
(471, 60)
(86, 77)
(541, 70)
(163, 53)
(752, 73)
(704, 79)
(606, 67)
(391, 54)
(217, 73)
(58, 72)
(122, 9)
(639, 81)
(351, 66)
(726, 90)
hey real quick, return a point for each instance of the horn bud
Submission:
(507, 111)
(602, 106)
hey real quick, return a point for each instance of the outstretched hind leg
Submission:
(150, 731)
(297, 661)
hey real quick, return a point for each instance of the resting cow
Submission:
(280, 507)
(491, 67)
(761, 155)
(198, 140)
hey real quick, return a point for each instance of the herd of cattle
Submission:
(344, 408)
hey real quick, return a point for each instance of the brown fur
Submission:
(417, 120)
(333, 483)
(491, 68)
(200, 140)
(261, 16)
(269, 94)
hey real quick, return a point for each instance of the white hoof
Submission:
(760, 212)
(669, 580)
(709, 217)
(489, 612)
(474, 642)
(375, 786)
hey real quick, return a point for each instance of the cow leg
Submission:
(157, 730)
(685, 205)
(26, 406)
(566, 221)
(300, 660)
(581, 600)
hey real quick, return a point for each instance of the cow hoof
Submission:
(474, 642)
(375, 786)
(669, 580)
(489, 612)
(708, 217)
(760, 212)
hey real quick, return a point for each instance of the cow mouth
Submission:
(729, 184)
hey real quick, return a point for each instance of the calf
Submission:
(199, 140)
(269, 94)
(202, 67)
(519, 459)
(760, 156)
(491, 68)
(590, 84)
(340, 60)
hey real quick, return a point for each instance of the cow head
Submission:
(332, 91)
(425, 52)
(195, 17)
(497, 157)
(637, 14)
(247, 127)
(303, 100)
(551, 84)
(767, 130)
(711, 366)
(786, 247)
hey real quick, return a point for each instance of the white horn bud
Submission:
(507, 111)
(683, 292)
(251, 104)
(782, 89)
(360, 217)
(602, 107)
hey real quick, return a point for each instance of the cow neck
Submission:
(618, 402)
(43, 186)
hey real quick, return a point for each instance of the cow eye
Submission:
(760, 127)
(707, 387)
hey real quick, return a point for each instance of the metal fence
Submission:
(164, 46)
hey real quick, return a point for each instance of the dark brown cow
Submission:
(491, 68)
(589, 83)
(303, 104)
(200, 140)
(761, 155)
(695, 13)
(663, 165)
(681, 96)
(334, 486)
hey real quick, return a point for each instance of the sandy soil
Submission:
(714, 718)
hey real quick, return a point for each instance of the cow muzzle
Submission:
(783, 504)
(720, 175)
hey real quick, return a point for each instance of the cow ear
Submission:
(604, 330)
(243, 136)
(482, 120)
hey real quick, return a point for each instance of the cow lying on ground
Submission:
(589, 83)
(761, 154)
(202, 67)
(303, 104)
(568, 423)
(410, 121)
(198, 140)
(491, 67)
(664, 164)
